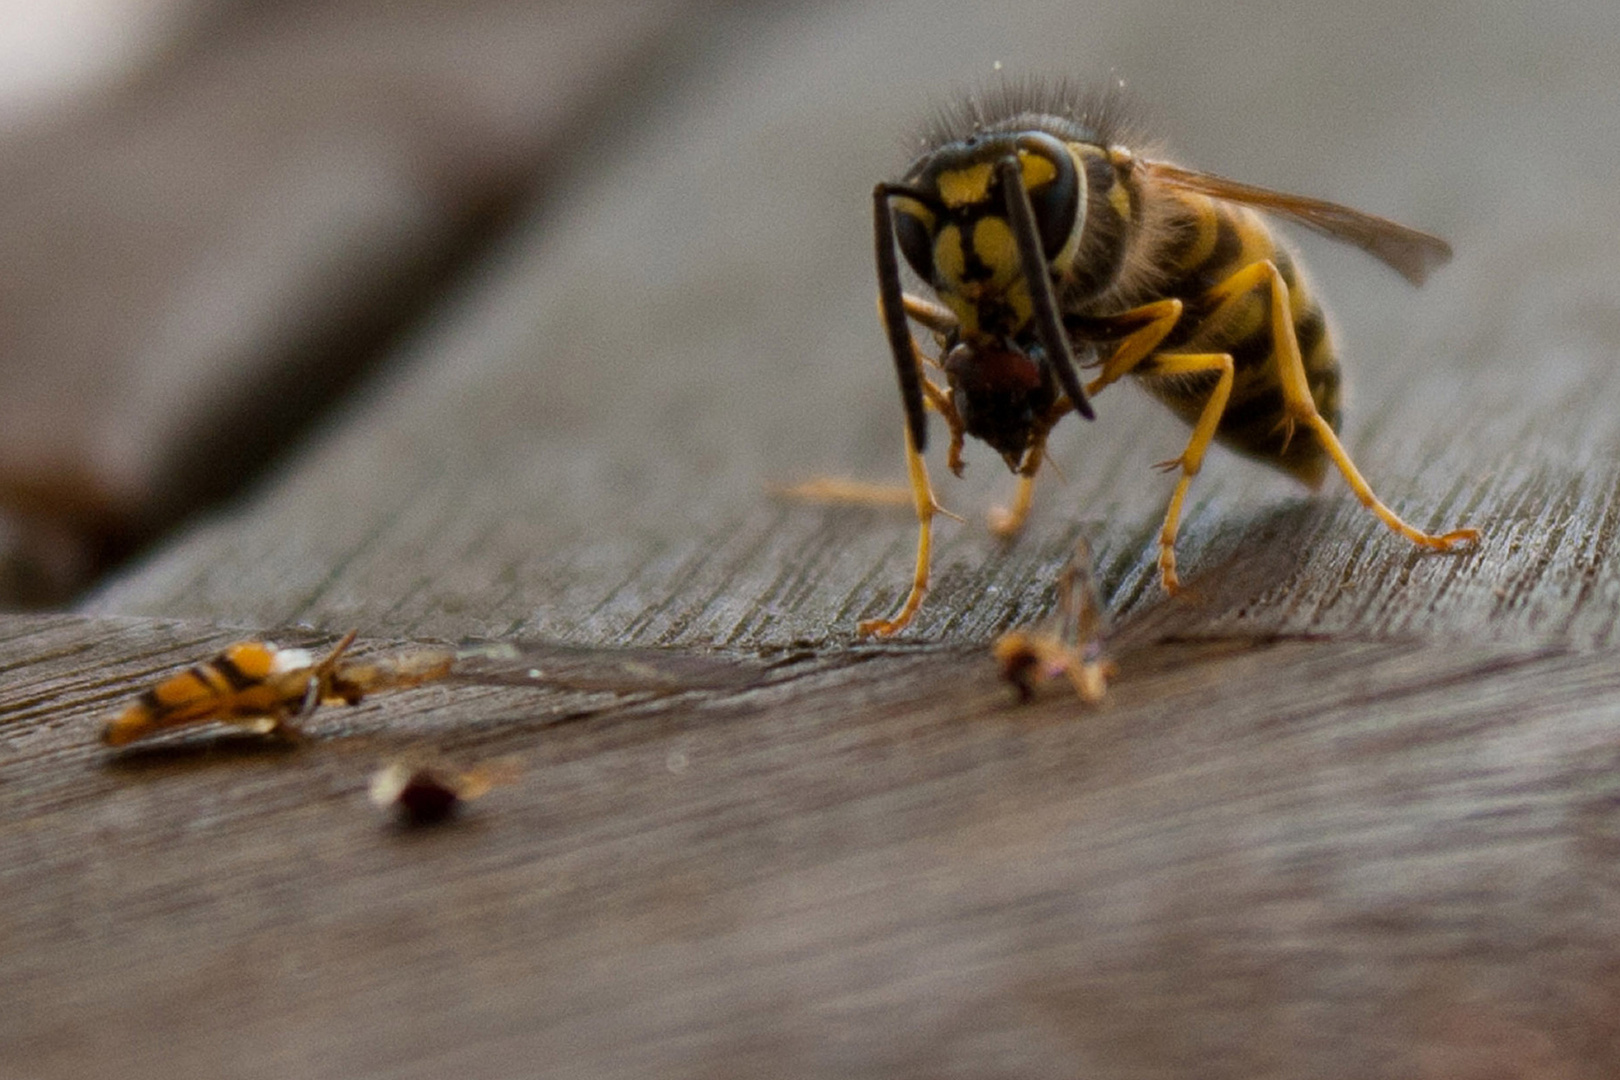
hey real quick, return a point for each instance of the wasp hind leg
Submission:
(1300, 410)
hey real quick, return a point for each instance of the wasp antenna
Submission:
(1041, 297)
(891, 305)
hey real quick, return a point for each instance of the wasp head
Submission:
(987, 221)
(957, 231)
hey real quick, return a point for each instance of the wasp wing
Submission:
(1410, 252)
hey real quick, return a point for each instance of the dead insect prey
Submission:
(265, 688)
(1069, 645)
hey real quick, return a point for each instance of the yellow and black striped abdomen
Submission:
(1210, 243)
(240, 682)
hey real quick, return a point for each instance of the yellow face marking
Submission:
(1037, 169)
(962, 187)
(996, 247)
(966, 312)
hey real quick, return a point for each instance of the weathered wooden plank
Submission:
(585, 452)
(201, 257)
(1295, 858)
(1348, 812)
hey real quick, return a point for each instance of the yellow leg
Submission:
(941, 402)
(1301, 409)
(1192, 458)
(937, 317)
(923, 497)
(1160, 316)
(1152, 323)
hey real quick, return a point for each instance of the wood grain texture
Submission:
(202, 256)
(1349, 811)
(1285, 859)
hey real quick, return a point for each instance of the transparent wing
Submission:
(1411, 252)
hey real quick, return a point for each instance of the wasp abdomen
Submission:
(1215, 242)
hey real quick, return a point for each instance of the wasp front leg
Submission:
(939, 399)
(923, 498)
(939, 319)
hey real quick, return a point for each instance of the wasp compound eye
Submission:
(915, 237)
(1053, 185)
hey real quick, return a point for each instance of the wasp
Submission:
(266, 688)
(1049, 244)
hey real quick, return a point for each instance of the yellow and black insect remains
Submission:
(1050, 245)
(266, 688)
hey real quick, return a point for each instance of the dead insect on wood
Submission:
(353, 679)
(265, 688)
(1070, 644)
(1047, 241)
(426, 793)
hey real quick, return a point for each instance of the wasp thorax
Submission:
(1000, 392)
